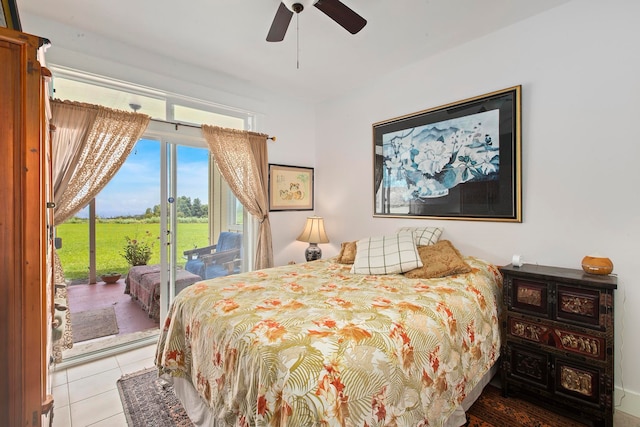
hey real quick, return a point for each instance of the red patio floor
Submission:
(129, 315)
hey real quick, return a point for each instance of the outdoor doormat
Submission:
(90, 324)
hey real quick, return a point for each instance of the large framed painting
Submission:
(290, 188)
(9, 17)
(457, 161)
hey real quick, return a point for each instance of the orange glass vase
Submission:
(597, 265)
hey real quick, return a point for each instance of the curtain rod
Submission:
(176, 124)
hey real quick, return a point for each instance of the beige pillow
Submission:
(439, 260)
(424, 235)
(391, 254)
(347, 253)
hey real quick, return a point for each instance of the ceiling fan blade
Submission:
(342, 14)
(280, 24)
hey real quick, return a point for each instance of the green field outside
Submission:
(74, 254)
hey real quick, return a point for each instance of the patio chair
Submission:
(216, 260)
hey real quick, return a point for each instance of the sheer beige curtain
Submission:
(241, 157)
(90, 143)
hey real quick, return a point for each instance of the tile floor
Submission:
(87, 394)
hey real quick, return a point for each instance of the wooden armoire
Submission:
(26, 290)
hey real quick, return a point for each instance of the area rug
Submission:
(150, 401)
(90, 324)
(493, 410)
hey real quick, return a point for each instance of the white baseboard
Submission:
(627, 401)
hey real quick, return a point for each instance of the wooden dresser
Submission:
(558, 340)
(25, 247)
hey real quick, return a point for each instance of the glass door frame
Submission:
(169, 138)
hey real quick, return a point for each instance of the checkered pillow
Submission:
(387, 254)
(424, 235)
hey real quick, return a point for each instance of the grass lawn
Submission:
(74, 254)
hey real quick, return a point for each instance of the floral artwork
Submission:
(458, 161)
(290, 188)
(427, 161)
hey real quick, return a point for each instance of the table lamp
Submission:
(313, 233)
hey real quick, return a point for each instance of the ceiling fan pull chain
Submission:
(297, 41)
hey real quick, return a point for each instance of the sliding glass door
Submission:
(185, 194)
(197, 211)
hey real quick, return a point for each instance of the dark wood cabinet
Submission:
(558, 340)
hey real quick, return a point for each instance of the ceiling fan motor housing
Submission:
(298, 6)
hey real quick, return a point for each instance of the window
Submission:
(225, 212)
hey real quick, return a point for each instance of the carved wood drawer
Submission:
(558, 337)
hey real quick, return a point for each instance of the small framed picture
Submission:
(290, 188)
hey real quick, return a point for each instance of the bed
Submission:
(316, 345)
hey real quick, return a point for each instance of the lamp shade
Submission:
(314, 231)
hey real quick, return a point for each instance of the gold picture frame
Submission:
(9, 17)
(458, 161)
(290, 188)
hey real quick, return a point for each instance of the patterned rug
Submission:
(493, 410)
(90, 324)
(150, 401)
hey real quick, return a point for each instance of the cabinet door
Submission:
(21, 234)
(526, 295)
(529, 365)
(581, 382)
(578, 306)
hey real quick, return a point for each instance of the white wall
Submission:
(579, 67)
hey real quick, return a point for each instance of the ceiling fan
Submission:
(334, 9)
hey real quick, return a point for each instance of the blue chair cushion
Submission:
(214, 271)
(195, 266)
(227, 240)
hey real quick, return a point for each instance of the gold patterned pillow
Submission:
(439, 260)
(347, 253)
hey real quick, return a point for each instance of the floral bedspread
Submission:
(314, 345)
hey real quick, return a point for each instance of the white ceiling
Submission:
(228, 36)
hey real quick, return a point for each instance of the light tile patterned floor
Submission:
(87, 395)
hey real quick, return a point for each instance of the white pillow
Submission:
(424, 235)
(396, 253)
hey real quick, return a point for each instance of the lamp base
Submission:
(313, 252)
